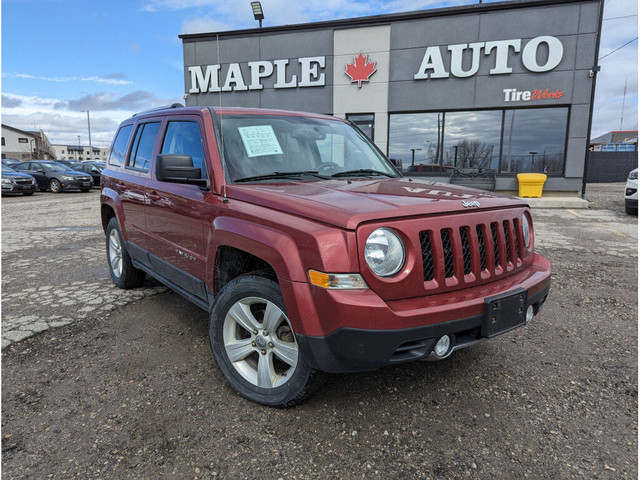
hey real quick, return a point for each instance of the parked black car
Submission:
(92, 168)
(16, 182)
(72, 164)
(10, 162)
(56, 177)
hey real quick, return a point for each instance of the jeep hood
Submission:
(346, 204)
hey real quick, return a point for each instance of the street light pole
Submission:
(89, 129)
(413, 155)
(532, 155)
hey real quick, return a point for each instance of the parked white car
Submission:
(631, 193)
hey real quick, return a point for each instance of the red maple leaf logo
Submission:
(361, 69)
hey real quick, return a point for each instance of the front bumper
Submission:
(406, 330)
(76, 184)
(19, 188)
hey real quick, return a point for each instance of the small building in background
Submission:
(80, 152)
(616, 141)
(25, 145)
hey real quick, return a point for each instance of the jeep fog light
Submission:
(338, 281)
(529, 314)
(442, 347)
(384, 252)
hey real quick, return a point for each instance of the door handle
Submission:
(153, 196)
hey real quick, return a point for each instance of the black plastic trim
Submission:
(353, 349)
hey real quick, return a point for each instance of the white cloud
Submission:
(62, 121)
(93, 79)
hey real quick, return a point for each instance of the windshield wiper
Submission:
(276, 175)
(362, 171)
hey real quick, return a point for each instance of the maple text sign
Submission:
(433, 65)
(209, 80)
(361, 69)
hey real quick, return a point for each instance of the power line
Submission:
(622, 46)
(624, 16)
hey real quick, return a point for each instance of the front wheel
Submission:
(123, 273)
(54, 186)
(254, 344)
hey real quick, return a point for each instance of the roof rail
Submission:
(164, 107)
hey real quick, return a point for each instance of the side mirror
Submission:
(40, 170)
(178, 169)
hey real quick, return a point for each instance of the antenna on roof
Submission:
(224, 158)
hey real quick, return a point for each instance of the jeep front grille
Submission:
(469, 255)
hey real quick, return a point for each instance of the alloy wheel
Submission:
(259, 342)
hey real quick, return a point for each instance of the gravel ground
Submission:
(609, 196)
(133, 392)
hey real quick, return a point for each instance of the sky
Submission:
(61, 58)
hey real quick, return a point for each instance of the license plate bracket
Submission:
(504, 312)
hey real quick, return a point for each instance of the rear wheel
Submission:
(254, 345)
(55, 186)
(123, 273)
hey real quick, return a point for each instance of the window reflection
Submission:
(533, 140)
(472, 139)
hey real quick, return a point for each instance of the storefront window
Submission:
(364, 121)
(413, 139)
(534, 140)
(472, 139)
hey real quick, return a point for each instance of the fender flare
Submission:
(111, 198)
(273, 246)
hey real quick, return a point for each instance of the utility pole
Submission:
(413, 155)
(89, 129)
(624, 97)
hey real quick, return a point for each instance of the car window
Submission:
(118, 152)
(22, 166)
(184, 138)
(143, 146)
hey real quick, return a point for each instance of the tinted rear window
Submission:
(120, 146)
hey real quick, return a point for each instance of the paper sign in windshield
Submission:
(260, 140)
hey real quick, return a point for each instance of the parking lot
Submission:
(104, 383)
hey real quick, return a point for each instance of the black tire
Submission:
(127, 276)
(631, 210)
(294, 384)
(26, 194)
(55, 186)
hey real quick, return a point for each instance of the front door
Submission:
(174, 211)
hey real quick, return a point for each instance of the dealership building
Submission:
(507, 86)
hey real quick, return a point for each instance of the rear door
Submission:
(132, 182)
(174, 212)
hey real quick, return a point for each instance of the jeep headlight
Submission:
(526, 231)
(384, 252)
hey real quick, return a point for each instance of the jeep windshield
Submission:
(261, 148)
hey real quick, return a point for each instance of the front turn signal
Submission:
(337, 281)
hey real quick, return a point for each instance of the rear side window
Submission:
(118, 153)
(143, 146)
(184, 138)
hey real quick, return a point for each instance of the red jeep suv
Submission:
(307, 247)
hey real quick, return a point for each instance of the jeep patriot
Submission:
(309, 250)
